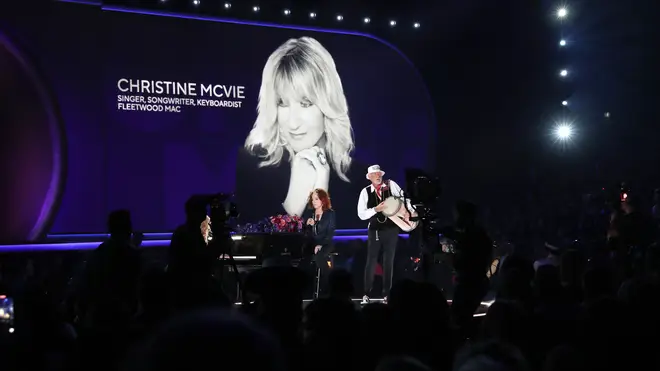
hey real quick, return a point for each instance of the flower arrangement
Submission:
(286, 223)
(274, 224)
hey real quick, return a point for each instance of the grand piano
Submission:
(252, 251)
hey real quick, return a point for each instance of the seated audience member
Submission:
(564, 358)
(401, 364)
(490, 355)
(553, 258)
(211, 337)
(330, 327)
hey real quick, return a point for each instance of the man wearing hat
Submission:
(383, 233)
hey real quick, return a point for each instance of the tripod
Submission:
(222, 246)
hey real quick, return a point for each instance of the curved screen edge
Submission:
(52, 200)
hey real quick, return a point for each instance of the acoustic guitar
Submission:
(395, 210)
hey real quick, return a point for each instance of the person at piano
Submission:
(323, 225)
(382, 233)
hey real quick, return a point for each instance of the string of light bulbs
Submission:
(563, 130)
(562, 13)
(227, 6)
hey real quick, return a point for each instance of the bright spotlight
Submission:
(563, 73)
(564, 103)
(287, 12)
(564, 132)
(607, 115)
(562, 42)
(227, 5)
(392, 23)
(562, 12)
(195, 2)
(312, 15)
(340, 17)
(416, 25)
(366, 20)
(255, 9)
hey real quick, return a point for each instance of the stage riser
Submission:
(87, 237)
(481, 311)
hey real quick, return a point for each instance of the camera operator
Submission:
(632, 232)
(636, 227)
(472, 258)
(190, 260)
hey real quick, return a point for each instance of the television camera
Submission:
(424, 191)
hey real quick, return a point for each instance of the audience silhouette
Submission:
(122, 309)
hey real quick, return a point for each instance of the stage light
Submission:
(312, 15)
(227, 5)
(564, 132)
(255, 8)
(607, 115)
(416, 25)
(392, 23)
(563, 73)
(564, 103)
(195, 2)
(340, 17)
(366, 20)
(562, 42)
(287, 12)
(562, 12)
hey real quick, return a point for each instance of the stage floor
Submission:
(481, 311)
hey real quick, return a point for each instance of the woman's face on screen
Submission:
(301, 122)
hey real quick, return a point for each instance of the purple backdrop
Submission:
(150, 162)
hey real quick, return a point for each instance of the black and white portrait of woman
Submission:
(302, 138)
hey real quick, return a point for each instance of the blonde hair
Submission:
(303, 66)
(206, 228)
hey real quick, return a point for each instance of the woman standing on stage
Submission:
(323, 224)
